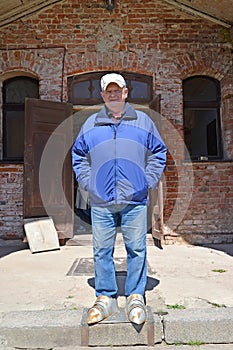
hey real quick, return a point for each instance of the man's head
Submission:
(112, 78)
(114, 91)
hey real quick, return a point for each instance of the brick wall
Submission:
(209, 214)
(11, 201)
(147, 37)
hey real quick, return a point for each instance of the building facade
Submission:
(184, 59)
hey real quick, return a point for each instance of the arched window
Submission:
(15, 90)
(84, 89)
(202, 129)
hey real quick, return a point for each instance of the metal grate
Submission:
(85, 267)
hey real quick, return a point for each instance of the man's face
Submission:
(114, 97)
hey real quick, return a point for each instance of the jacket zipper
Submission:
(115, 171)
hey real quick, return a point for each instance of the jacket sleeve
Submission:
(156, 157)
(81, 161)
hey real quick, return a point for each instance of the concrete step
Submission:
(51, 329)
(118, 331)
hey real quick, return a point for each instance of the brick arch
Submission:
(201, 62)
(108, 61)
(46, 64)
(17, 73)
(19, 60)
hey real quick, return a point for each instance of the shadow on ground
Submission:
(224, 247)
(6, 249)
(121, 277)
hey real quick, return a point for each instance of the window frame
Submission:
(129, 77)
(14, 107)
(206, 105)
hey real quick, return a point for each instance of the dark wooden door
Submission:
(155, 210)
(48, 175)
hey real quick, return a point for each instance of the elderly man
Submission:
(117, 156)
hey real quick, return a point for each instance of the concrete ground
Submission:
(185, 282)
(156, 347)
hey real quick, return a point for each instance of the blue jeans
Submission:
(133, 227)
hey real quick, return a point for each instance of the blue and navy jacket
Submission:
(117, 162)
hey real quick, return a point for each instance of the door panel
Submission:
(155, 209)
(48, 175)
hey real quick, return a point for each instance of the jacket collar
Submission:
(104, 116)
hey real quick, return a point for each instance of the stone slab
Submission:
(41, 329)
(41, 234)
(199, 325)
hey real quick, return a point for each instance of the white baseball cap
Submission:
(112, 78)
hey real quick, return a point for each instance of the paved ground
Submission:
(156, 347)
(181, 278)
(160, 347)
(190, 276)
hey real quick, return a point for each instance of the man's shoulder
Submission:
(92, 117)
(84, 123)
(143, 116)
(90, 121)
